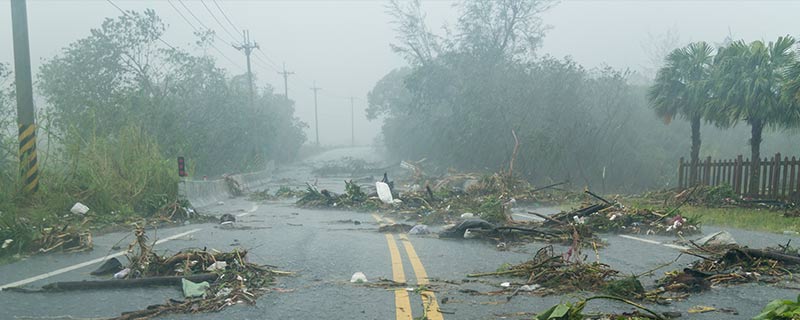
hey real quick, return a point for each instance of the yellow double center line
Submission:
(401, 298)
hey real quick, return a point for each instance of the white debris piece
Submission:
(721, 238)
(358, 277)
(79, 208)
(219, 265)
(505, 284)
(122, 273)
(467, 215)
(384, 193)
(529, 287)
(7, 243)
(419, 229)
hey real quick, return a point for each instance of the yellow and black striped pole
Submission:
(29, 169)
(28, 166)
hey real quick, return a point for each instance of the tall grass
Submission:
(121, 177)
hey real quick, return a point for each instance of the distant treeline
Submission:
(463, 94)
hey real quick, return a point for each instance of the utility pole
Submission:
(285, 75)
(28, 167)
(248, 47)
(352, 122)
(316, 115)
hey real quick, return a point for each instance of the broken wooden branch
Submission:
(127, 283)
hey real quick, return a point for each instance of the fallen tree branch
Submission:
(127, 283)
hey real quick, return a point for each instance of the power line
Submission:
(126, 14)
(198, 31)
(271, 64)
(182, 16)
(194, 16)
(226, 17)
(218, 22)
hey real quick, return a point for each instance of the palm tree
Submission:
(682, 88)
(792, 89)
(749, 82)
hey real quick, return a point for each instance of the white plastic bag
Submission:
(79, 208)
(384, 193)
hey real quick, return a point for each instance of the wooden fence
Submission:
(777, 179)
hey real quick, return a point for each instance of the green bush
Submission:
(780, 310)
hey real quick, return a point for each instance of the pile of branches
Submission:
(443, 200)
(353, 198)
(282, 193)
(558, 274)
(346, 166)
(615, 218)
(239, 281)
(64, 239)
(730, 266)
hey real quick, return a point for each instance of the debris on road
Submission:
(730, 265)
(111, 266)
(395, 228)
(194, 290)
(419, 229)
(211, 280)
(64, 239)
(548, 273)
(616, 218)
(358, 277)
(574, 311)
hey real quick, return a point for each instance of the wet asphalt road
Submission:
(324, 252)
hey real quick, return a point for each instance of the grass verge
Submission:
(743, 218)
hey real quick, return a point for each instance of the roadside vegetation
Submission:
(120, 107)
(744, 218)
(464, 92)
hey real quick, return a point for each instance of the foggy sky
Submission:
(344, 45)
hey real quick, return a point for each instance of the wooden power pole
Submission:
(248, 47)
(29, 169)
(352, 122)
(285, 75)
(316, 114)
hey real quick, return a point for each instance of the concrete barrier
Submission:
(201, 193)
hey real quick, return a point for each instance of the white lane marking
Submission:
(87, 263)
(529, 217)
(253, 209)
(668, 245)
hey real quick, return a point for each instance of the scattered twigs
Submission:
(597, 197)
(549, 186)
(685, 200)
(546, 218)
(650, 272)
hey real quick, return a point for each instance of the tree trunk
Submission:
(695, 150)
(756, 127)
